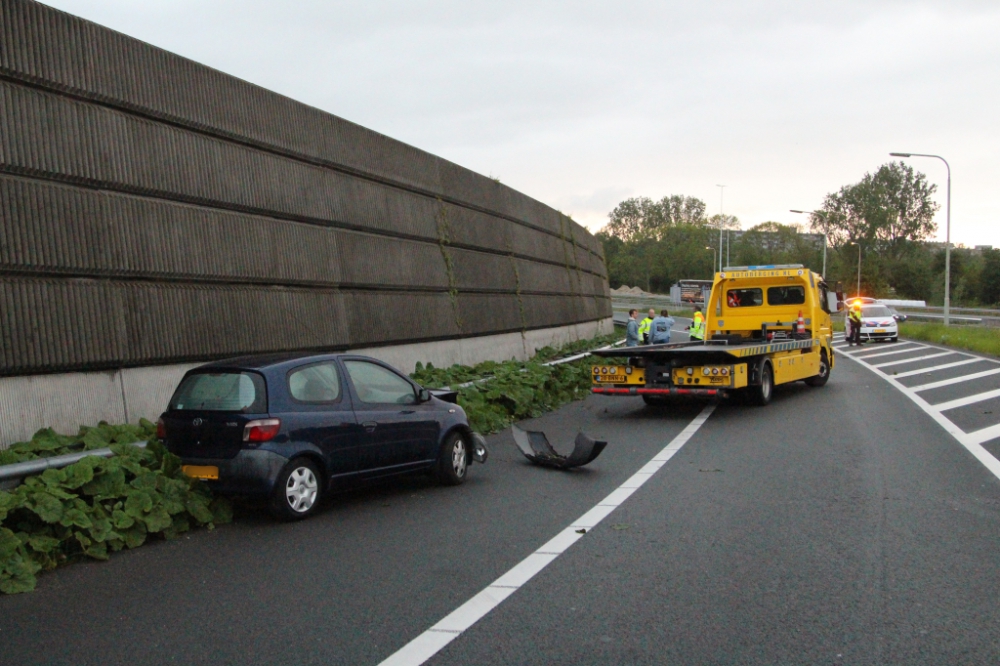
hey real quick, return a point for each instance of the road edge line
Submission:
(433, 640)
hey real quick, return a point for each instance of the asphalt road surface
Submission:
(838, 525)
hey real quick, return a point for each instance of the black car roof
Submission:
(265, 361)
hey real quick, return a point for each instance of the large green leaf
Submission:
(138, 503)
(157, 520)
(47, 507)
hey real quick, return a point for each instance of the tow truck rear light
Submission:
(705, 371)
(725, 371)
(262, 430)
(715, 371)
(628, 369)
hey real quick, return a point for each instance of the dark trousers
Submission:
(855, 338)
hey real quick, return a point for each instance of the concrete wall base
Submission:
(65, 401)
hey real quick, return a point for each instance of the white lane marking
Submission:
(432, 641)
(955, 380)
(971, 441)
(868, 355)
(915, 359)
(986, 434)
(927, 371)
(967, 400)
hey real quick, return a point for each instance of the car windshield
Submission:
(221, 392)
(876, 311)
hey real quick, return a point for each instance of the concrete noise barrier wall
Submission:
(155, 211)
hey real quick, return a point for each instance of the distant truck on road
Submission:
(766, 325)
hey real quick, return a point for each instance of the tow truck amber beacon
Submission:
(766, 325)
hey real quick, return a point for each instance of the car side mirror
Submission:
(423, 395)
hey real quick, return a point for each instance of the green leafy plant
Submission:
(98, 505)
(516, 390)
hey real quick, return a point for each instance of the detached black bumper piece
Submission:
(536, 448)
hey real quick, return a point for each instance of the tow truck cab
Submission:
(765, 325)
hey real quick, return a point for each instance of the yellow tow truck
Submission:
(765, 326)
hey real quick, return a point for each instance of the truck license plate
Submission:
(611, 379)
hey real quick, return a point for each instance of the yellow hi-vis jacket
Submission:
(698, 327)
(644, 326)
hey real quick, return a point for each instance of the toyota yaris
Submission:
(293, 427)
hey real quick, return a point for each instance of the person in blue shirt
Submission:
(659, 330)
(632, 329)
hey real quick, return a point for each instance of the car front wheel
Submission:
(297, 491)
(453, 463)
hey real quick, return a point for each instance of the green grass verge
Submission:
(518, 390)
(981, 339)
(98, 505)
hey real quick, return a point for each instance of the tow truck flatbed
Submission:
(709, 347)
(765, 326)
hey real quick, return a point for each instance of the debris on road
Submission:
(536, 448)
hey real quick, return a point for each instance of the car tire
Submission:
(760, 395)
(453, 463)
(895, 338)
(297, 491)
(824, 372)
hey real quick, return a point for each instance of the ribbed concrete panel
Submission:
(155, 211)
(45, 46)
(383, 318)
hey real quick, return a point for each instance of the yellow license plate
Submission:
(880, 330)
(201, 471)
(610, 379)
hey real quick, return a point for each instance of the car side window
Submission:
(377, 385)
(319, 382)
(786, 295)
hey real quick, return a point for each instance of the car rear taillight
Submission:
(161, 429)
(262, 430)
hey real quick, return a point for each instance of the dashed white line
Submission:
(954, 380)
(908, 350)
(927, 371)
(967, 400)
(912, 360)
(432, 641)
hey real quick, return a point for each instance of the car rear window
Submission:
(744, 298)
(221, 392)
(786, 295)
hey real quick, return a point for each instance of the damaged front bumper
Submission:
(536, 448)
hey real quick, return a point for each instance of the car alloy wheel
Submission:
(301, 489)
(459, 461)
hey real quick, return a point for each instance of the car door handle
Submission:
(369, 425)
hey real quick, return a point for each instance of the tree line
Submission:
(888, 214)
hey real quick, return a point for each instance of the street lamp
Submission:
(816, 212)
(947, 233)
(859, 266)
(709, 247)
(722, 191)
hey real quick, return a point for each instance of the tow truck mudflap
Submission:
(638, 390)
(536, 448)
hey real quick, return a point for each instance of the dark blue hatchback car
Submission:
(294, 426)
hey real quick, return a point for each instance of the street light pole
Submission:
(825, 240)
(947, 234)
(709, 247)
(859, 267)
(722, 190)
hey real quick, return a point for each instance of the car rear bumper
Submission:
(251, 472)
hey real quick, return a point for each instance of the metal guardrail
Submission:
(12, 475)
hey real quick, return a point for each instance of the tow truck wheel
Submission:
(761, 394)
(824, 372)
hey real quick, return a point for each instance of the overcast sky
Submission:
(582, 104)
